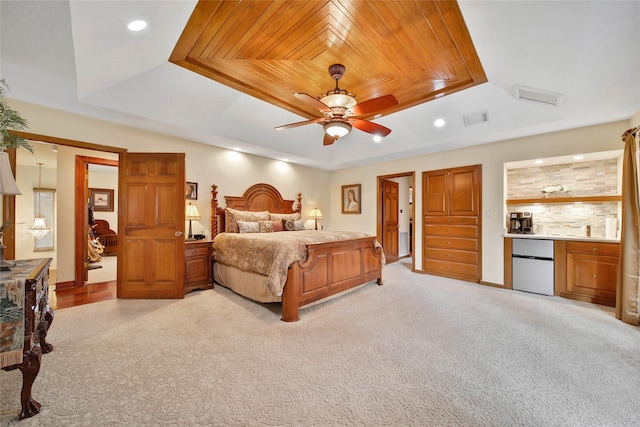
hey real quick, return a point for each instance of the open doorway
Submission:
(395, 216)
(102, 222)
(89, 201)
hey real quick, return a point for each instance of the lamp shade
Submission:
(315, 213)
(191, 212)
(337, 129)
(7, 181)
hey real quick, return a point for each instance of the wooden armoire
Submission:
(452, 234)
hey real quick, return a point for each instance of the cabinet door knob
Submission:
(595, 276)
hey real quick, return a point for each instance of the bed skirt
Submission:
(245, 283)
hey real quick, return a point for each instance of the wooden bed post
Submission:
(291, 294)
(214, 209)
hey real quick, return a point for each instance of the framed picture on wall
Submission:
(101, 199)
(351, 199)
(192, 191)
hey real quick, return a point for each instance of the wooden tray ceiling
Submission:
(415, 50)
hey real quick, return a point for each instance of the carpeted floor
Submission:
(420, 350)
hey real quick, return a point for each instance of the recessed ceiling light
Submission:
(439, 123)
(137, 25)
(578, 157)
(538, 162)
(237, 149)
(377, 138)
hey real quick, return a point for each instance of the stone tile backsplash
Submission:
(598, 177)
(581, 179)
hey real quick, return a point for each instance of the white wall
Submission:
(491, 157)
(107, 181)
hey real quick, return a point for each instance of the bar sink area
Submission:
(572, 205)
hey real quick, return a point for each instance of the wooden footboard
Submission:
(329, 269)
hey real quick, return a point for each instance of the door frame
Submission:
(82, 216)
(380, 208)
(9, 208)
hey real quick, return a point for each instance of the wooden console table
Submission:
(24, 295)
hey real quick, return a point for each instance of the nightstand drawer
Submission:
(197, 259)
(189, 252)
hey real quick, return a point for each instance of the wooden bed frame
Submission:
(330, 268)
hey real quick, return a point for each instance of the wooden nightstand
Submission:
(197, 272)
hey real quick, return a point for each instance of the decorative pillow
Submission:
(278, 217)
(249, 227)
(291, 225)
(266, 226)
(277, 226)
(233, 216)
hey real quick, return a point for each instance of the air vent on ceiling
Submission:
(538, 95)
(476, 118)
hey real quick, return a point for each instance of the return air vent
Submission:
(474, 119)
(538, 95)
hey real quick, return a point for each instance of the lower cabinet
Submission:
(587, 271)
(197, 272)
(452, 247)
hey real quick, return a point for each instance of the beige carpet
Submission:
(107, 273)
(419, 350)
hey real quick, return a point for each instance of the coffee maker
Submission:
(515, 222)
(527, 223)
(521, 222)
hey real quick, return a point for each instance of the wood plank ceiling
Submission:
(415, 50)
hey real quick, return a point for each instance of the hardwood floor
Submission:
(90, 293)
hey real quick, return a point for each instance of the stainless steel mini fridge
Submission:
(532, 263)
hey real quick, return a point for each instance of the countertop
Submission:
(559, 237)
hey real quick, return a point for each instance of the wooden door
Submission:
(464, 190)
(151, 225)
(436, 194)
(390, 220)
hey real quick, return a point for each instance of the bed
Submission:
(324, 263)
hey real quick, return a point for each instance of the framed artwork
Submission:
(101, 199)
(192, 191)
(351, 199)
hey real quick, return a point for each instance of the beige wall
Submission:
(492, 157)
(233, 172)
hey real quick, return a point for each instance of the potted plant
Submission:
(10, 120)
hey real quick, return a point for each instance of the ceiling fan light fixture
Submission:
(339, 100)
(337, 129)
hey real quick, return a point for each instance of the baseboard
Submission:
(65, 285)
(493, 285)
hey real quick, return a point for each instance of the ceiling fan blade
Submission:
(313, 101)
(374, 105)
(306, 122)
(370, 127)
(328, 139)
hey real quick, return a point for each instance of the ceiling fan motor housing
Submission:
(336, 71)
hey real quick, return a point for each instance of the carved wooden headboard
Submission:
(258, 197)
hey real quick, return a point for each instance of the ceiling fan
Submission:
(340, 110)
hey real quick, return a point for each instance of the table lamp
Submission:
(315, 214)
(191, 213)
(9, 187)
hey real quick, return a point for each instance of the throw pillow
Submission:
(248, 227)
